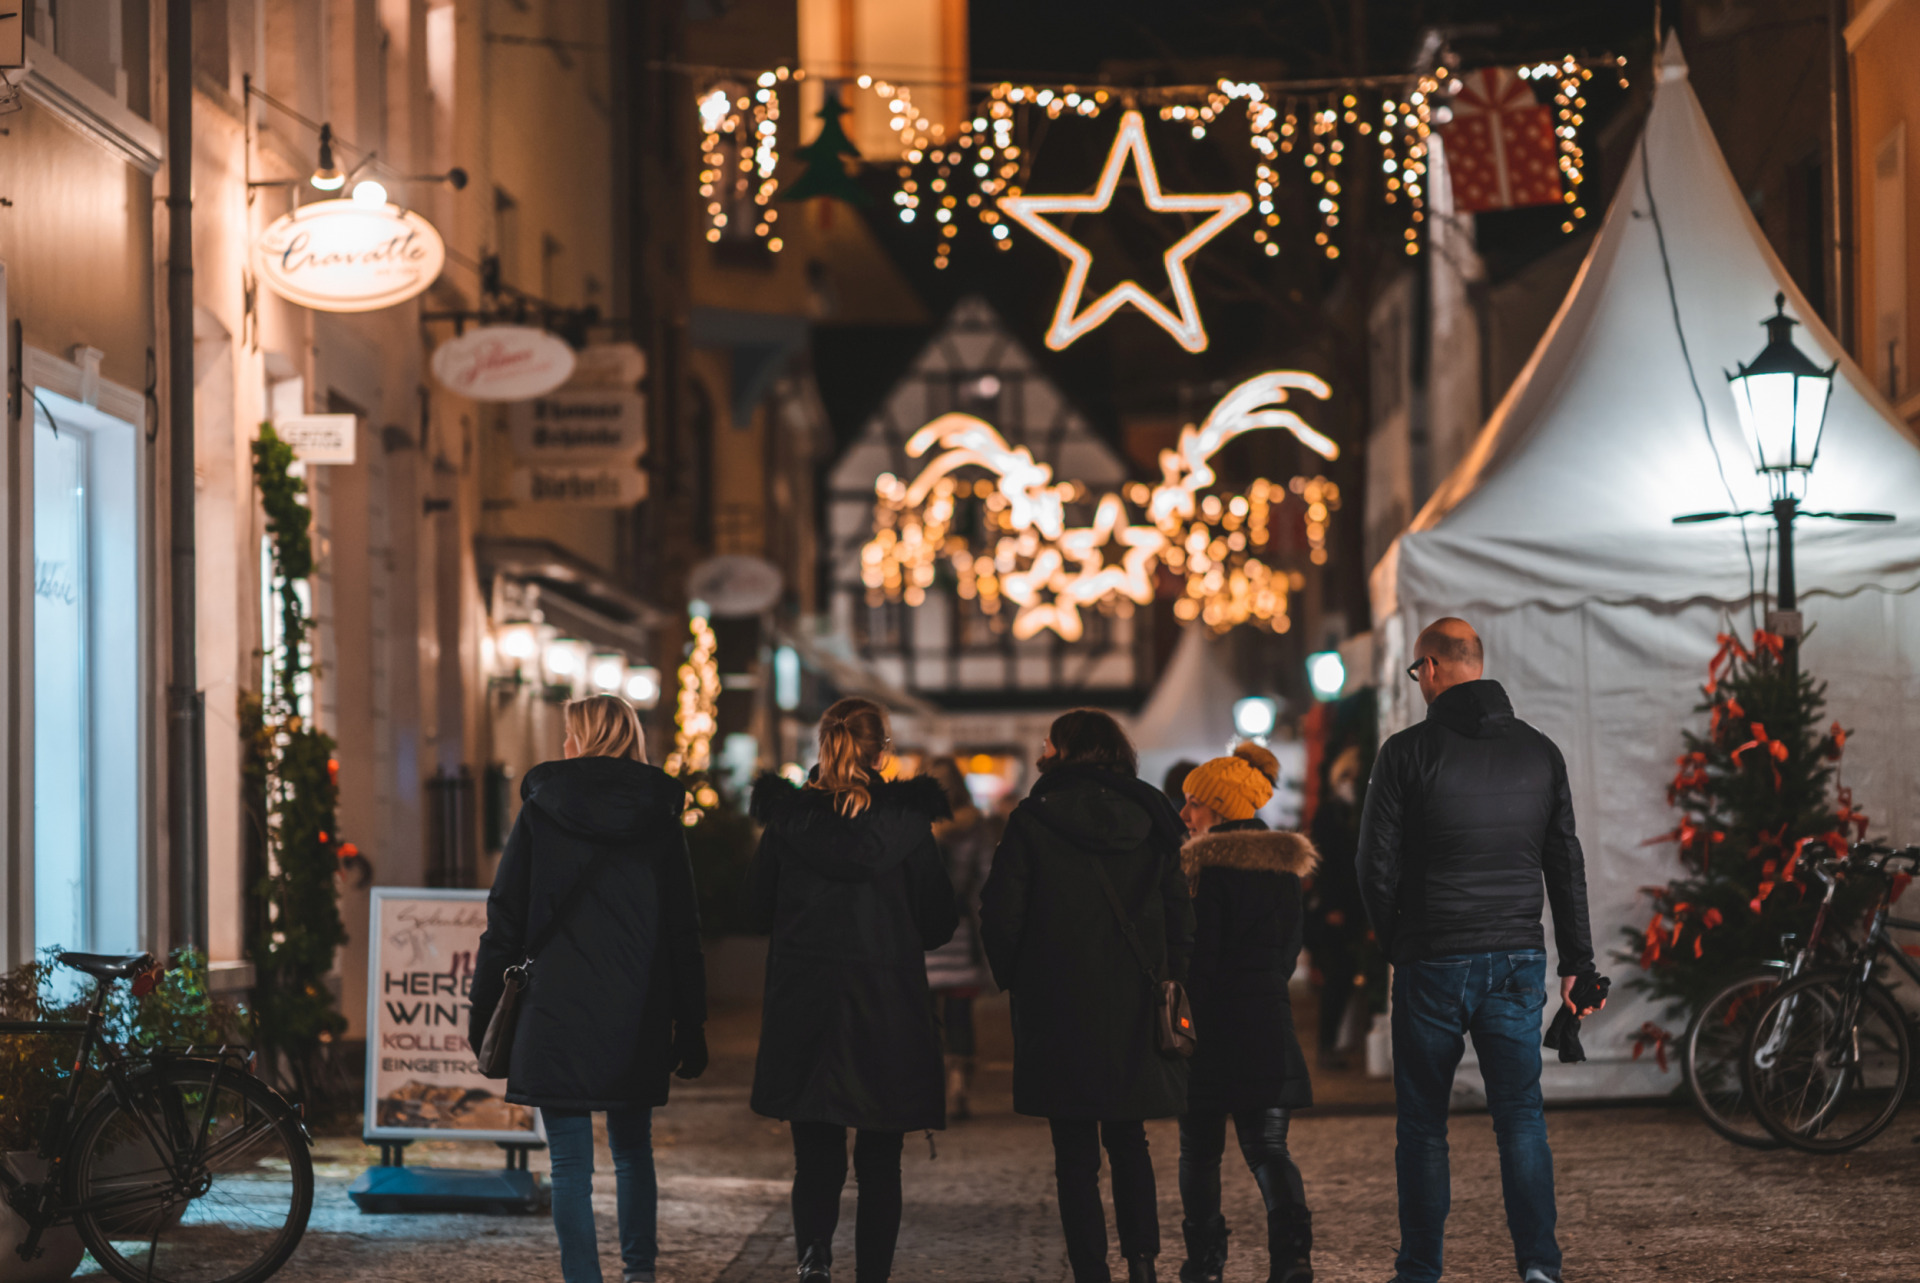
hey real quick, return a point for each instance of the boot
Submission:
(959, 1087)
(814, 1267)
(1140, 1270)
(1206, 1251)
(1290, 1245)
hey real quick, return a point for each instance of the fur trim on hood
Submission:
(1263, 850)
(776, 798)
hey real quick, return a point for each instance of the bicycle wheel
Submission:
(1828, 1063)
(203, 1177)
(1710, 1054)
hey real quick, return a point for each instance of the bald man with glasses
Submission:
(1467, 836)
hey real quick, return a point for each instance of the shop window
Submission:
(86, 677)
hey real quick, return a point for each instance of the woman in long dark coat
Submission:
(1084, 1009)
(1247, 1061)
(617, 997)
(851, 885)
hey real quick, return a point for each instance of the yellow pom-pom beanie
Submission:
(1233, 788)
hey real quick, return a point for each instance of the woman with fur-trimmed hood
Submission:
(850, 884)
(1247, 1062)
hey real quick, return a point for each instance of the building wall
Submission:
(1884, 41)
(77, 289)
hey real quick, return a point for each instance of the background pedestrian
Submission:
(1336, 921)
(957, 970)
(850, 883)
(617, 996)
(1085, 1053)
(1246, 882)
(1467, 814)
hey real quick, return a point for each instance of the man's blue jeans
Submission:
(570, 1144)
(1498, 998)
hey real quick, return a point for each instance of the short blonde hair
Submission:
(603, 726)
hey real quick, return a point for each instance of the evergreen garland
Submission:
(1757, 795)
(291, 787)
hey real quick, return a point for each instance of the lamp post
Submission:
(1781, 397)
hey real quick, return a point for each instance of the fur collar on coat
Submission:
(1261, 850)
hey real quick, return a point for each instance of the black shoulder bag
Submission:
(1173, 1015)
(495, 1052)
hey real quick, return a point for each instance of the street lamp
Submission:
(1781, 397)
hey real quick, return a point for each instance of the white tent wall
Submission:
(1613, 686)
(1554, 537)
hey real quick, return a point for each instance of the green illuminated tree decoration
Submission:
(830, 159)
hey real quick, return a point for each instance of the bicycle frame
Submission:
(39, 1203)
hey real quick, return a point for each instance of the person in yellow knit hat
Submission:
(1247, 899)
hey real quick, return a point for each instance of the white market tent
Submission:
(1554, 537)
(1190, 716)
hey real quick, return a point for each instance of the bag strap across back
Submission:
(568, 903)
(1127, 927)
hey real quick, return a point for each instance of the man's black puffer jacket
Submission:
(1466, 815)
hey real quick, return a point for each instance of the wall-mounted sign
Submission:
(576, 423)
(619, 484)
(503, 363)
(609, 365)
(735, 586)
(422, 1080)
(343, 256)
(319, 438)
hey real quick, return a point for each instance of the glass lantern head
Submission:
(1781, 397)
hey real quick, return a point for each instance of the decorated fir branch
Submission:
(292, 790)
(1758, 796)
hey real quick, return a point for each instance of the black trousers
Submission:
(1076, 1171)
(1263, 1143)
(820, 1173)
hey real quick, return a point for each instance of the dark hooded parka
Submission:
(853, 904)
(1246, 943)
(1083, 1008)
(596, 1023)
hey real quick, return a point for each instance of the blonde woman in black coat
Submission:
(851, 885)
(617, 997)
(1247, 1062)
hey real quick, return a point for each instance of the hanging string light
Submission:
(942, 181)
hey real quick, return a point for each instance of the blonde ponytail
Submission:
(853, 735)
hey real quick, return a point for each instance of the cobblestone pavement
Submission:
(1646, 1195)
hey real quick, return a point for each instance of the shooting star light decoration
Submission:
(1051, 571)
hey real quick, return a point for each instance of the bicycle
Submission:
(1830, 1055)
(1715, 1043)
(182, 1168)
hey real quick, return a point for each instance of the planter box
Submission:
(62, 1249)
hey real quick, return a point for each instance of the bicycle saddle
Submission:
(106, 966)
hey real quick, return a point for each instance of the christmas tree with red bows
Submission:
(1759, 796)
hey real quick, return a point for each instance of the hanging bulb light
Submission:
(327, 176)
(369, 193)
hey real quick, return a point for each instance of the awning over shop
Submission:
(572, 594)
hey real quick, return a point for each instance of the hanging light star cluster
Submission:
(1298, 131)
(1027, 558)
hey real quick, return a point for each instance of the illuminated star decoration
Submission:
(1069, 321)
